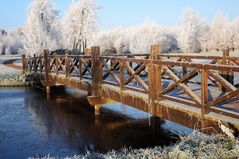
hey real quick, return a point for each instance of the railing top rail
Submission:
(127, 55)
(199, 65)
(199, 56)
(177, 63)
(166, 55)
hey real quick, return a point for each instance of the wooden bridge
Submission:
(193, 90)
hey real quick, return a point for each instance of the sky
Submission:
(113, 13)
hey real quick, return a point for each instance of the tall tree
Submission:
(192, 32)
(42, 29)
(79, 24)
(235, 31)
(219, 32)
(144, 36)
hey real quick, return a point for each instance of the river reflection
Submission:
(64, 124)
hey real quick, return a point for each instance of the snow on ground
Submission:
(10, 77)
(4, 70)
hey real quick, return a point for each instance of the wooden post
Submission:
(121, 76)
(48, 89)
(204, 92)
(185, 73)
(47, 70)
(34, 63)
(96, 68)
(46, 65)
(87, 51)
(229, 76)
(154, 75)
(97, 109)
(96, 71)
(24, 64)
(67, 64)
(30, 64)
(57, 64)
(80, 68)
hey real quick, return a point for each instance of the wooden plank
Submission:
(225, 112)
(124, 59)
(179, 100)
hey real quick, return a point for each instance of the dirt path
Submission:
(10, 63)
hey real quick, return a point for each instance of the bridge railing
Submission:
(71, 66)
(199, 81)
(185, 81)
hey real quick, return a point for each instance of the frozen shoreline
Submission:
(10, 77)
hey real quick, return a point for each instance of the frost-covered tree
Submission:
(219, 33)
(193, 32)
(144, 36)
(79, 24)
(10, 42)
(113, 41)
(149, 33)
(42, 29)
(137, 39)
(235, 31)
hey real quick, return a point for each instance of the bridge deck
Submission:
(177, 112)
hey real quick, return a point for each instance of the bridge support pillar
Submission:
(97, 110)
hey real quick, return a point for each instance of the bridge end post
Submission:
(154, 75)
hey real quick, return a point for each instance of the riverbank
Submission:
(196, 145)
(10, 72)
(12, 80)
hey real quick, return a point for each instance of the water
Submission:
(64, 125)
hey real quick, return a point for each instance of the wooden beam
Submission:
(96, 71)
(204, 92)
(222, 81)
(187, 77)
(24, 64)
(46, 65)
(186, 90)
